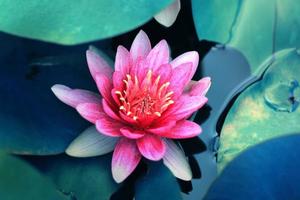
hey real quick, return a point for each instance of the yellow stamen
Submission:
(157, 114)
(169, 94)
(118, 92)
(149, 75)
(122, 108)
(126, 83)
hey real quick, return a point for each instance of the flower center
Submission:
(145, 99)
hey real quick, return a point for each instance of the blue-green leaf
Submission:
(78, 178)
(266, 171)
(269, 108)
(256, 28)
(19, 180)
(32, 119)
(73, 22)
(158, 184)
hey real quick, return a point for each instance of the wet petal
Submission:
(110, 111)
(191, 56)
(168, 16)
(176, 161)
(165, 72)
(90, 111)
(122, 61)
(91, 143)
(73, 97)
(183, 129)
(126, 157)
(162, 127)
(104, 85)
(109, 126)
(141, 46)
(159, 55)
(184, 107)
(201, 87)
(132, 133)
(180, 78)
(97, 64)
(151, 147)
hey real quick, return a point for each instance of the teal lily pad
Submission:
(19, 180)
(265, 171)
(267, 109)
(73, 22)
(32, 119)
(158, 183)
(79, 178)
(256, 28)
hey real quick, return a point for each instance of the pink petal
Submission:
(141, 46)
(201, 87)
(132, 133)
(151, 147)
(109, 111)
(122, 61)
(118, 78)
(189, 86)
(162, 127)
(97, 64)
(191, 56)
(125, 159)
(109, 126)
(176, 161)
(159, 55)
(180, 78)
(165, 72)
(104, 85)
(73, 97)
(167, 16)
(184, 107)
(115, 97)
(90, 111)
(183, 129)
(140, 69)
(127, 118)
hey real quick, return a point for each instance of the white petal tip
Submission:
(176, 161)
(184, 176)
(168, 16)
(142, 33)
(119, 175)
(57, 89)
(91, 143)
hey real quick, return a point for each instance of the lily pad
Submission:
(19, 180)
(79, 178)
(266, 171)
(158, 183)
(73, 22)
(235, 77)
(267, 109)
(32, 119)
(235, 23)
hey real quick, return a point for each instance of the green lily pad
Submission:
(269, 170)
(267, 109)
(32, 119)
(79, 178)
(20, 181)
(256, 28)
(158, 184)
(73, 22)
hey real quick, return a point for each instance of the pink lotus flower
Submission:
(145, 103)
